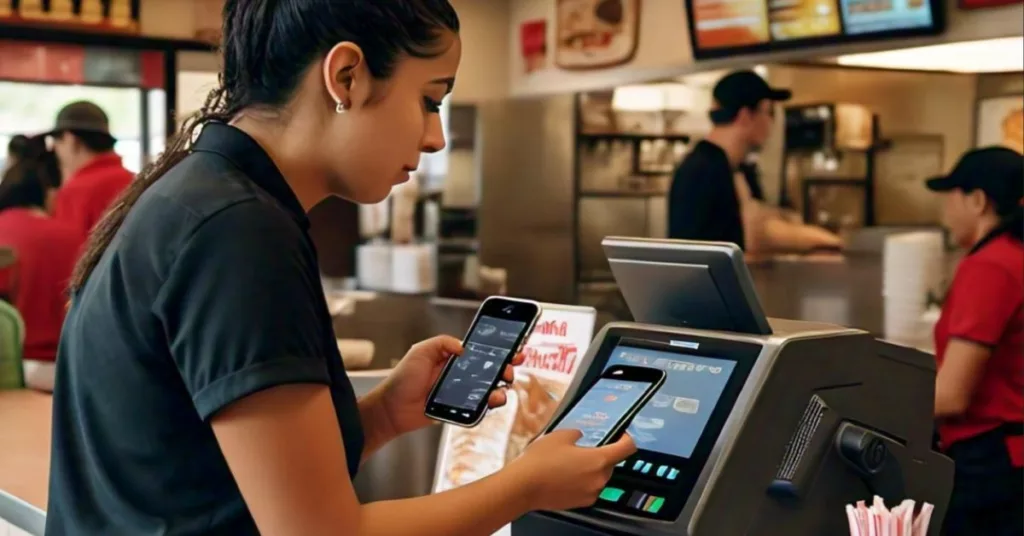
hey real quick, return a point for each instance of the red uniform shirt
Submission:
(984, 305)
(87, 194)
(46, 252)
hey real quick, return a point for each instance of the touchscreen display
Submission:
(472, 374)
(604, 405)
(673, 421)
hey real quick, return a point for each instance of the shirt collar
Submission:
(247, 155)
(1002, 229)
(718, 150)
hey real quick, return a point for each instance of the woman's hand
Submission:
(555, 474)
(403, 395)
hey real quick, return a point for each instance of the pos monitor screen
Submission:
(681, 283)
(677, 429)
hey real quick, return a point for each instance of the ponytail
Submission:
(215, 108)
(1013, 223)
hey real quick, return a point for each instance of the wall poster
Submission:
(533, 40)
(1001, 122)
(592, 34)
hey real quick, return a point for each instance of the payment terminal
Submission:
(762, 427)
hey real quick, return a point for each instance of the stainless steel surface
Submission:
(601, 217)
(785, 331)
(525, 223)
(21, 514)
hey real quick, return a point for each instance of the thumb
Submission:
(442, 347)
(619, 450)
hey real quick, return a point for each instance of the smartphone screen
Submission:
(607, 407)
(460, 395)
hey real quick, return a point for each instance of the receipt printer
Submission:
(762, 427)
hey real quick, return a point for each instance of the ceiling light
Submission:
(985, 56)
(653, 98)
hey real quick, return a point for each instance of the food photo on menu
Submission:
(866, 16)
(803, 19)
(595, 33)
(730, 23)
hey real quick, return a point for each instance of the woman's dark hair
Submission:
(23, 147)
(24, 185)
(1012, 220)
(267, 47)
(19, 145)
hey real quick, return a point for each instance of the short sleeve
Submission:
(239, 307)
(986, 299)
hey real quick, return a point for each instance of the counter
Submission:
(843, 291)
(25, 462)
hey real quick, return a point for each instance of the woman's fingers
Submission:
(497, 398)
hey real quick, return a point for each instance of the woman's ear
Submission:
(343, 67)
(976, 201)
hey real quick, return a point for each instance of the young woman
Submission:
(45, 251)
(199, 389)
(979, 342)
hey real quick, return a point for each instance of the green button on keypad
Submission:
(612, 494)
(655, 506)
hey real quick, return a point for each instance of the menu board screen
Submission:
(730, 23)
(724, 27)
(870, 16)
(800, 19)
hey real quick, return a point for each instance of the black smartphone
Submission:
(498, 332)
(605, 410)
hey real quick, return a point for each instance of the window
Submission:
(30, 109)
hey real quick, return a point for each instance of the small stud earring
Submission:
(340, 108)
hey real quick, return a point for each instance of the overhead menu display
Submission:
(801, 19)
(726, 27)
(869, 16)
(729, 23)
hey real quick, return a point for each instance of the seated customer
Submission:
(979, 342)
(46, 251)
(92, 171)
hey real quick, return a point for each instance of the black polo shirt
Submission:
(209, 292)
(702, 202)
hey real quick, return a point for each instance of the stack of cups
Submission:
(912, 269)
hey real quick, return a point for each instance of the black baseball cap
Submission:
(81, 116)
(997, 171)
(745, 89)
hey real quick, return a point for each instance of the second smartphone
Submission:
(606, 409)
(498, 332)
